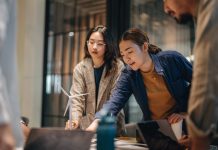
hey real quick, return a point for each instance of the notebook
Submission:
(58, 139)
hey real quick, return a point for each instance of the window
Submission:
(67, 24)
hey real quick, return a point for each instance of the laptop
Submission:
(58, 139)
(157, 135)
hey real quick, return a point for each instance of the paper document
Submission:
(177, 129)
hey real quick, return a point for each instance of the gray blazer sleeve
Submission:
(4, 16)
(4, 116)
(203, 103)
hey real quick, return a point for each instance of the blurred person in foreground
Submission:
(203, 104)
(10, 131)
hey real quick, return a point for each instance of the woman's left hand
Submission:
(185, 141)
(174, 118)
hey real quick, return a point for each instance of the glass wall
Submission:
(162, 29)
(67, 23)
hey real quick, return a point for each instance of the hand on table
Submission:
(185, 141)
(93, 126)
(75, 125)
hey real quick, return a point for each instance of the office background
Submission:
(51, 36)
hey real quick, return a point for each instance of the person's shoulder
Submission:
(127, 70)
(171, 57)
(84, 63)
(120, 64)
(169, 54)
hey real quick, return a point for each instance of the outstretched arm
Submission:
(118, 99)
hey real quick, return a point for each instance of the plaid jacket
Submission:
(85, 107)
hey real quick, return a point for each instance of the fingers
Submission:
(93, 126)
(174, 118)
(186, 141)
(91, 129)
(184, 136)
(74, 125)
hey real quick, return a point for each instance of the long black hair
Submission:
(111, 49)
(139, 38)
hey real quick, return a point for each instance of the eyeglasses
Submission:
(98, 44)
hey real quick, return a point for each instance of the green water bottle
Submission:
(106, 132)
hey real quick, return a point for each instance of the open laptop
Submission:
(58, 139)
(158, 135)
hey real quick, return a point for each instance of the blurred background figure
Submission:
(10, 131)
(203, 103)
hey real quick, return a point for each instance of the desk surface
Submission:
(123, 143)
(51, 138)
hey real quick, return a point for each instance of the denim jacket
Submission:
(176, 71)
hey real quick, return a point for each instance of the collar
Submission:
(157, 65)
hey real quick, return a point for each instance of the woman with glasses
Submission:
(96, 74)
(159, 80)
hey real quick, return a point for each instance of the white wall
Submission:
(30, 40)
